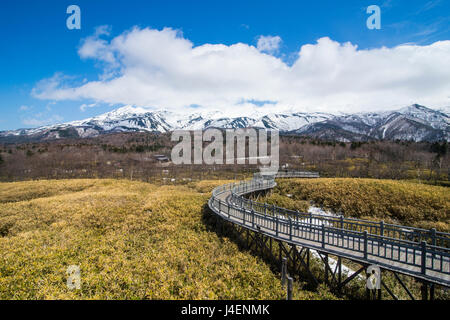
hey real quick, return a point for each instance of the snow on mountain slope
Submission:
(433, 118)
(414, 122)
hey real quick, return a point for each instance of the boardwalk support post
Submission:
(289, 288)
(432, 291)
(283, 271)
(424, 290)
(339, 281)
(307, 257)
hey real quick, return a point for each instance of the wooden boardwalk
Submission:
(423, 254)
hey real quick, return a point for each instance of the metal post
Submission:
(379, 290)
(270, 244)
(289, 288)
(433, 236)
(424, 257)
(279, 251)
(276, 225)
(290, 228)
(283, 271)
(323, 235)
(307, 257)
(248, 238)
(424, 290)
(253, 218)
(339, 274)
(365, 244)
(431, 291)
(433, 242)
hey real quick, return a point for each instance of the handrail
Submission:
(422, 252)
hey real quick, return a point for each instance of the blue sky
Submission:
(37, 45)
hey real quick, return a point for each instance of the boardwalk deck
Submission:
(411, 256)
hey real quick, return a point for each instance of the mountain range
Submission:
(413, 123)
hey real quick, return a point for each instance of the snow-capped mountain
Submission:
(415, 122)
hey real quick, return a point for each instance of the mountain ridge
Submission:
(414, 122)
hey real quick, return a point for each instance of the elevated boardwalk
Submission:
(422, 254)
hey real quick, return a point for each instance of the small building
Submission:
(161, 158)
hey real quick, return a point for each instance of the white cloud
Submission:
(85, 106)
(162, 70)
(24, 108)
(269, 44)
(40, 120)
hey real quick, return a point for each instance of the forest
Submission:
(132, 156)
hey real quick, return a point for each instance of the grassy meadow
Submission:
(132, 240)
(135, 240)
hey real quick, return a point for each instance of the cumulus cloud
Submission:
(161, 69)
(41, 120)
(269, 44)
(85, 106)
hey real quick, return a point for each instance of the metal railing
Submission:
(290, 174)
(412, 250)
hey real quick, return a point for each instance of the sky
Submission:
(240, 57)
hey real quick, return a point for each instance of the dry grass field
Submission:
(132, 240)
(403, 202)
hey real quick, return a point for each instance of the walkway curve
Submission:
(421, 253)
